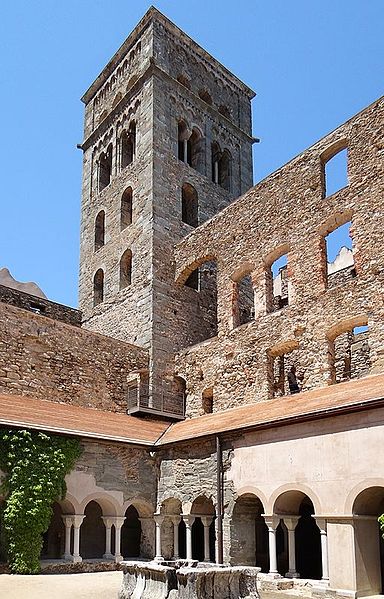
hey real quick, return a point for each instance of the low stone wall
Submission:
(153, 581)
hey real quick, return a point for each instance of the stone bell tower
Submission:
(167, 144)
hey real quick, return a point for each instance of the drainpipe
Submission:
(219, 466)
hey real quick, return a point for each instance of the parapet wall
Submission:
(51, 360)
(289, 213)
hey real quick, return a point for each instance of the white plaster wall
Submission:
(331, 460)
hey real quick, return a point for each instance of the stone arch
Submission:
(243, 294)
(348, 349)
(143, 506)
(108, 504)
(369, 555)
(248, 490)
(183, 274)
(299, 489)
(249, 533)
(358, 489)
(346, 325)
(203, 528)
(125, 274)
(92, 531)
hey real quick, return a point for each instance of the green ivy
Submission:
(381, 522)
(35, 465)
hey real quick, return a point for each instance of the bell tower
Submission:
(167, 144)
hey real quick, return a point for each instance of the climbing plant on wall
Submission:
(35, 465)
(381, 522)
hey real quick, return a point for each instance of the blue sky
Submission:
(313, 65)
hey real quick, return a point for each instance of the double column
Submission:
(290, 522)
(117, 522)
(75, 521)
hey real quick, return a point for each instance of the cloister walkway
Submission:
(95, 585)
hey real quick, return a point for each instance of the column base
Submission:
(68, 557)
(274, 575)
(108, 556)
(77, 559)
(118, 558)
(292, 575)
(158, 559)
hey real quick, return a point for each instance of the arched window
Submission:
(206, 96)
(190, 147)
(128, 146)
(116, 99)
(225, 170)
(126, 209)
(224, 110)
(105, 168)
(189, 205)
(221, 166)
(184, 81)
(125, 269)
(98, 287)
(100, 230)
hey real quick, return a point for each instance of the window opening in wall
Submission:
(244, 300)
(37, 308)
(335, 172)
(100, 230)
(202, 306)
(224, 110)
(207, 401)
(350, 355)
(128, 145)
(340, 266)
(190, 147)
(277, 284)
(105, 168)
(184, 81)
(98, 287)
(286, 376)
(125, 269)
(189, 205)
(126, 209)
(206, 96)
(193, 280)
(221, 166)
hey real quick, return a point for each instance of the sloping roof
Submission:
(313, 404)
(74, 420)
(88, 422)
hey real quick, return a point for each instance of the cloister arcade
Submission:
(285, 535)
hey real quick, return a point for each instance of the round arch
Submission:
(299, 489)
(108, 504)
(357, 490)
(249, 544)
(144, 508)
(185, 271)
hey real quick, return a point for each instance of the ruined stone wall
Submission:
(40, 305)
(51, 360)
(252, 232)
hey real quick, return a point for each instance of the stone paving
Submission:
(95, 585)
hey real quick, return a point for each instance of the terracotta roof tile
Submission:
(86, 422)
(277, 411)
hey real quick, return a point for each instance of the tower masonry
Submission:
(167, 145)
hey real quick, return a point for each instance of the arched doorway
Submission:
(308, 542)
(249, 533)
(369, 545)
(203, 530)
(54, 537)
(296, 511)
(131, 533)
(92, 532)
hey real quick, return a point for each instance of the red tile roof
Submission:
(309, 405)
(88, 422)
(74, 420)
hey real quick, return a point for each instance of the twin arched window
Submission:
(221, 166)
(105, 168)
(189, 205)
(128, 146)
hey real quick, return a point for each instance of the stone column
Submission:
(189, 520)
(118, 523)
(322, 524)
(77, 522)
(207, 521)
(272, 522)
(185, 150)
(176, 521)
(68, 521)
(108, 528)
(291, 523)
(158, 518)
